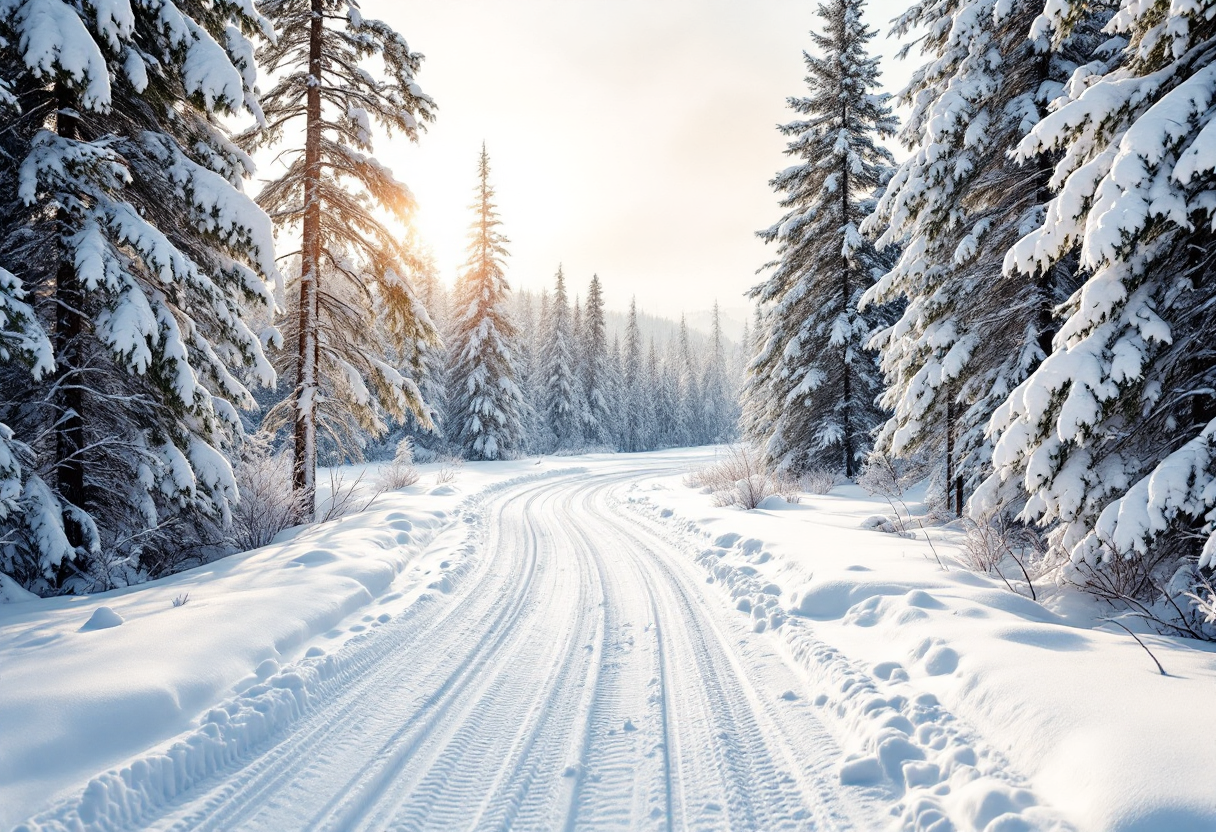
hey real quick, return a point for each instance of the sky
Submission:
(630, 138)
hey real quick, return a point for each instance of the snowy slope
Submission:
(77, 697)
(1012, 701)
(588, 643)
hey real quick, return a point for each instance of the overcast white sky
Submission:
(633, 138)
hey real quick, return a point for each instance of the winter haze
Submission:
(634, 139)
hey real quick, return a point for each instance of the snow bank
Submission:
(974, 704)
(86, 683)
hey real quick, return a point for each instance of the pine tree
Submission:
(486, 401)
(561, 402)
(970, 332)
(528, 366)
(616, 395)
(666, 424)
(721, 405)
(634, 425)
(691, 402)
(353, 267)
(128, 234)
(818, 380)
(597, 419)
(1113, 436)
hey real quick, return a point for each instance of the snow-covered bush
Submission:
(267, 504)
(401, 472)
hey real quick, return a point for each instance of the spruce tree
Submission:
(353, 267)
(1113, 436)
(692, 404)
(561, 401)
(661, 408)
(815, 381)
(127, 233)
(616, 395)
(635, 390)
(720, 403)
(486, 402)
(597, 418)
(970, 331)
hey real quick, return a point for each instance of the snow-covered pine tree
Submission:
(561, 400)
(528, 366)
(755, 414)
(432, 358)
(635, 390)
(597, 412)
(123, 216)
(486, 402)
(1113, 437)
(819, 380)
(692, 403)
(616, 394)
(970, 331)
(322, 56)
(662, 408)
(721, 403)
(671, 405)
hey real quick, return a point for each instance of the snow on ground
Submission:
(945, 683)
(86, 682)
(872, 660)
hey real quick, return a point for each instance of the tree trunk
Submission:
(847, 391)
(69, 325)
(304, 472)
(950, 504)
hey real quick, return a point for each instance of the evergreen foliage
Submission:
(970, 331)
(124, 338)
(353, 267)
(486, 402)
(561, 399)
(1112, 438)
(597, 415)
(814, 382)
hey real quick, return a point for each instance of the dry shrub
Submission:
(400, 473)
(881, 477)
(448, 470)
(267, 505)
(742, 479)
(996, 545)
(818, 480)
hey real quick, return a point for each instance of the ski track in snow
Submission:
(573, 671)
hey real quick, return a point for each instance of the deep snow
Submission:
(938, 693)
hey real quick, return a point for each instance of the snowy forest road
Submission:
(579, 674)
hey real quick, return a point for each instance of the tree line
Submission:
(1022, 308)
(148, 305)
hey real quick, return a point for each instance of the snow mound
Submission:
(103, 618)
(12, 593)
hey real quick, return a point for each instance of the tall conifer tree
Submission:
(353, 267)
(970, 332)
(814, 380)
(561, 399)
(123, 210)
(1113, 437)
(486, 400)
(634, 426)
(597, 424)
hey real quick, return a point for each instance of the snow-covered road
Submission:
(577, 673)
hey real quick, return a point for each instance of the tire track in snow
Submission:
(325, 736)
(576, 678)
